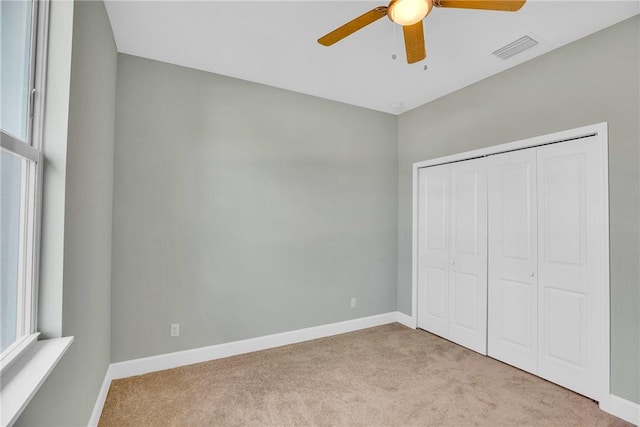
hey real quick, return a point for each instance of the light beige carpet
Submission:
(384, 376)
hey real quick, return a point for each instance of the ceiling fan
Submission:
(409, 14)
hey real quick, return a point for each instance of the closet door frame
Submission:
(600, 133)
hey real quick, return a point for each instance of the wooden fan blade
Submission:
(353, 26)
(503, 5)
(414, 42)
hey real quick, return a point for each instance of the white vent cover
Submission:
(513, 48)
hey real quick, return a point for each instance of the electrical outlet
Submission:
(175, 329)
(353, 303)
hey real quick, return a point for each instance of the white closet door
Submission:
(570, 204)
(433, 249)
(468, 255)
(513, 293)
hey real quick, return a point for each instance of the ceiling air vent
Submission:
(515, 47)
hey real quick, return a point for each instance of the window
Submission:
(20, 176)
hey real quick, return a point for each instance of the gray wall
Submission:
(592, 80)
(68, 395)
(242, 210)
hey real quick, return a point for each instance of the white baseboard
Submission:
(161, 362)
(621, 408)
(405, 320)
(102, 397)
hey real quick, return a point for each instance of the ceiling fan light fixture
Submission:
(409, 12)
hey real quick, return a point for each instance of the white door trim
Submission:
(600, 132)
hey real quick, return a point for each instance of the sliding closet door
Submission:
(571, 201)
(433, 249)
(513, 292)
(468, 255)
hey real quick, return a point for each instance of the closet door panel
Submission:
(570, 197)
(433, 249)
(464, 297)
(512, 287)
(468, 255)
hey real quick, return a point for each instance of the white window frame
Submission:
(30, 220)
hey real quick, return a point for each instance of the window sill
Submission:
(23, 378)
(16, 350)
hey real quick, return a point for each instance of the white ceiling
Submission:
(274, 43)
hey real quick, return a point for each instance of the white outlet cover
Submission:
(175, 329)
